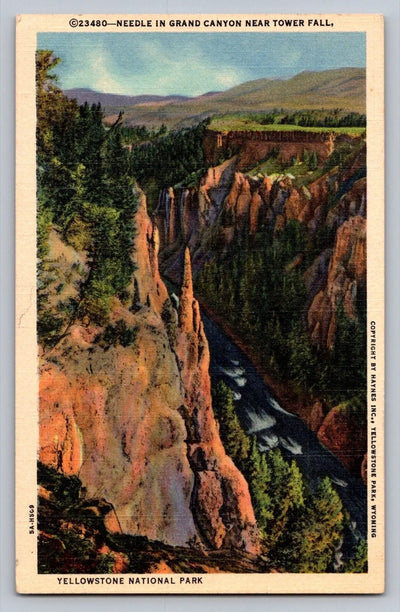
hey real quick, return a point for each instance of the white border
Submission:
(391, 11)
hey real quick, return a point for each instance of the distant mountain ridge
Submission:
(343, 88)
(82, 95)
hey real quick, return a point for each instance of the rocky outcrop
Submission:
(342, 434)
(316, 416)
(351, 204)
(82, 541)
(228, 203)
(220, 499)
(244, 203)
(148, 287)
(184, 215)
(253, 146)
(346, 278)
(134, 420)
(306, 204)
(225, 203)
(111, 417)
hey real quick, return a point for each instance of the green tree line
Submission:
(137, 134)
(312, 118)
(174, 158)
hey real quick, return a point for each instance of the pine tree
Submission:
(313, 161)
(280, 473)
(258, 475)
(358, 564)
(233, 437)
(318, 531)
(83, 187)
(303, 363)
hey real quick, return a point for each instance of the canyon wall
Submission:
(253, 146)
(332, 208)
(228, 202)
(134, 420)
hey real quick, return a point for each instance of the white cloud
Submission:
(102, 78)
(228, 78)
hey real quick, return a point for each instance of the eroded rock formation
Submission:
(342, 434)
(135, 421)
(346, 277)
(220, 500)
(228, 202)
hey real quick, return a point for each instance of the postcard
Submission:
(200, 304)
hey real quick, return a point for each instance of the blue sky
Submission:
(193, 63)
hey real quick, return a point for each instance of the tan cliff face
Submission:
(113, 416)
(123, 418)
(305, 204)
(147, 281)
(244, 202)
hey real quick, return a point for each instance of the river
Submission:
(261, 415)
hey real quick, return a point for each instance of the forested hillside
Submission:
(272, 315)
(86, 192)
(302, 529)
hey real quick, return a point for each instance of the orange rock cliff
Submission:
(220, 499)
(135, 423)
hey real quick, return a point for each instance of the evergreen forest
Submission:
(259, 291)
(85, 190)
